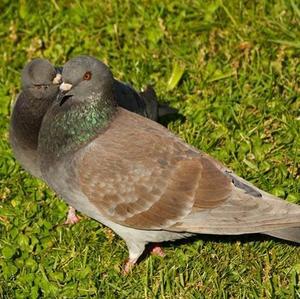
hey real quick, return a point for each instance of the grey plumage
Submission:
(154, 109)
(128, 98)
(39, 81)
(136, 177)
(144, 103)
(290, 234)
(246, 187)
(37, 94)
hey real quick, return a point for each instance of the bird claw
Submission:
(72, 218)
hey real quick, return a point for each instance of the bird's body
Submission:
(142, 181)
(24, 145)
(38, 93)
(40, 81)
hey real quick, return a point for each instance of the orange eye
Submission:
(87, 76)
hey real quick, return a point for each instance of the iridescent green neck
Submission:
(66, 130)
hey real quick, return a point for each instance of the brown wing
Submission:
(138, 174)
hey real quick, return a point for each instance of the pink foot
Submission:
(128, 267)
(157, 250)
(72, 218)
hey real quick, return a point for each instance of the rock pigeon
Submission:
(139, 179)
(40, 81)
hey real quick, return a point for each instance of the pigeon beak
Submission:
(63, 90)
(64, 87)
(57, 79)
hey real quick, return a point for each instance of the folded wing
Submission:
(138, 174)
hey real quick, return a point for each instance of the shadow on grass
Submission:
(223, 239)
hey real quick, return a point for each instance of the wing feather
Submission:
(142, 176)
(138, 174)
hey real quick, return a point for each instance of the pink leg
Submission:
(155, 249)
(72, 218)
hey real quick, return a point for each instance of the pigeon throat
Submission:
(66, 130)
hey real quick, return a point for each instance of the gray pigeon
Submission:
(136, 177)
(40, 82)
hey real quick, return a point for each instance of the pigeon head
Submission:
(40, 79)
(83, 77)
(84, 107)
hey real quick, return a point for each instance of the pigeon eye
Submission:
(87, 76)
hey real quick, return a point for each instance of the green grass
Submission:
(232, 68)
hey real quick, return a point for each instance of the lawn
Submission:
(232, 69)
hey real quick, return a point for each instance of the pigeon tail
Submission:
(150, 99)
(247, 210)
(155, 109)
(290, 234)
(165, 109)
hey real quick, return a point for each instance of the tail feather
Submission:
(126, 97)
(150, 99)
(164, 109)
(289, 234)
(155, 110)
